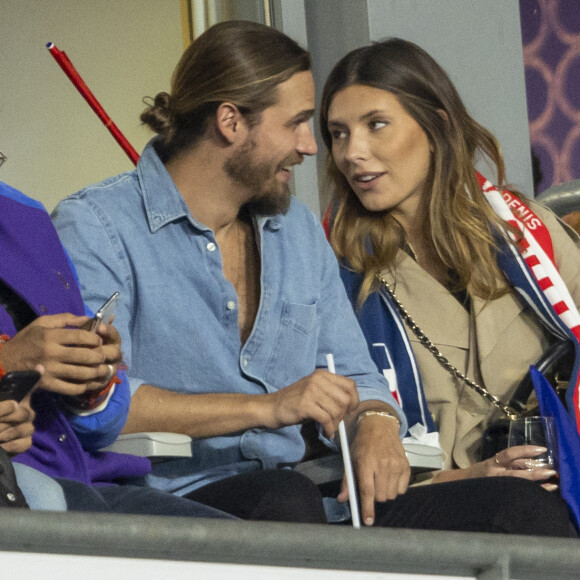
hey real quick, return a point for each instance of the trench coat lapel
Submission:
(419, 293)
(492, 318)
(504, 331)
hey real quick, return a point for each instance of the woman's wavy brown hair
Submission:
(462, 224)
(236, 61)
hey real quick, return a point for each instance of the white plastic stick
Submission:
(346, 460)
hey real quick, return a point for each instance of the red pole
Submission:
(70, 71)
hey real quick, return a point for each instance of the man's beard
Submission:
(271, 197)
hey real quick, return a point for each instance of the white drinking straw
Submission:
(350, 484)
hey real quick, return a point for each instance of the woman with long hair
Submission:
(438, 262)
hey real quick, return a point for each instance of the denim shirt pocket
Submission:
(296, 341)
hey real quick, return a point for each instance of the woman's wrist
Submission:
(454, 474)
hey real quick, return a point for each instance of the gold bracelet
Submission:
(386, 414)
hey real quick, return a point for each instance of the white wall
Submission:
(124, 51)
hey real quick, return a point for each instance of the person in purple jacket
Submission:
(82, 399)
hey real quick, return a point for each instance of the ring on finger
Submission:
(111, 372)
(495, 458)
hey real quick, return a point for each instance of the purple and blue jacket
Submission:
(35, 266)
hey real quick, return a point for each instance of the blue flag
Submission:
(568, 444)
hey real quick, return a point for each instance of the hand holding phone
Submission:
(104, 314)
(15, 385)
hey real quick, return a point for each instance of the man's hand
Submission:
(322, 396)
(379, 462)
(113, 356)
(16, 427)
(74, 360)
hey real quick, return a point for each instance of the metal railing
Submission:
(475, 555)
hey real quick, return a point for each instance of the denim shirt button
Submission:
(210, 247)
(231, 305)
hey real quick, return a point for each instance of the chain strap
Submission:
(510, 412)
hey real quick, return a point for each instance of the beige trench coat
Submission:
(494, 344)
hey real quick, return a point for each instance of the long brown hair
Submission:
(462, 225)
(236, 61)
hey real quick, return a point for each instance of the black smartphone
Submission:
(15, 385)
(104, 314)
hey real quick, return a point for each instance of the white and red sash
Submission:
(553, 303)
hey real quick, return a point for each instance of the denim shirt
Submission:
(178, 313)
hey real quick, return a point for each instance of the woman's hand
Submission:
(511, 462)
(16, 427)
(74, 360)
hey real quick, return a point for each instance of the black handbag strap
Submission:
(443, 360)
(558, 358)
